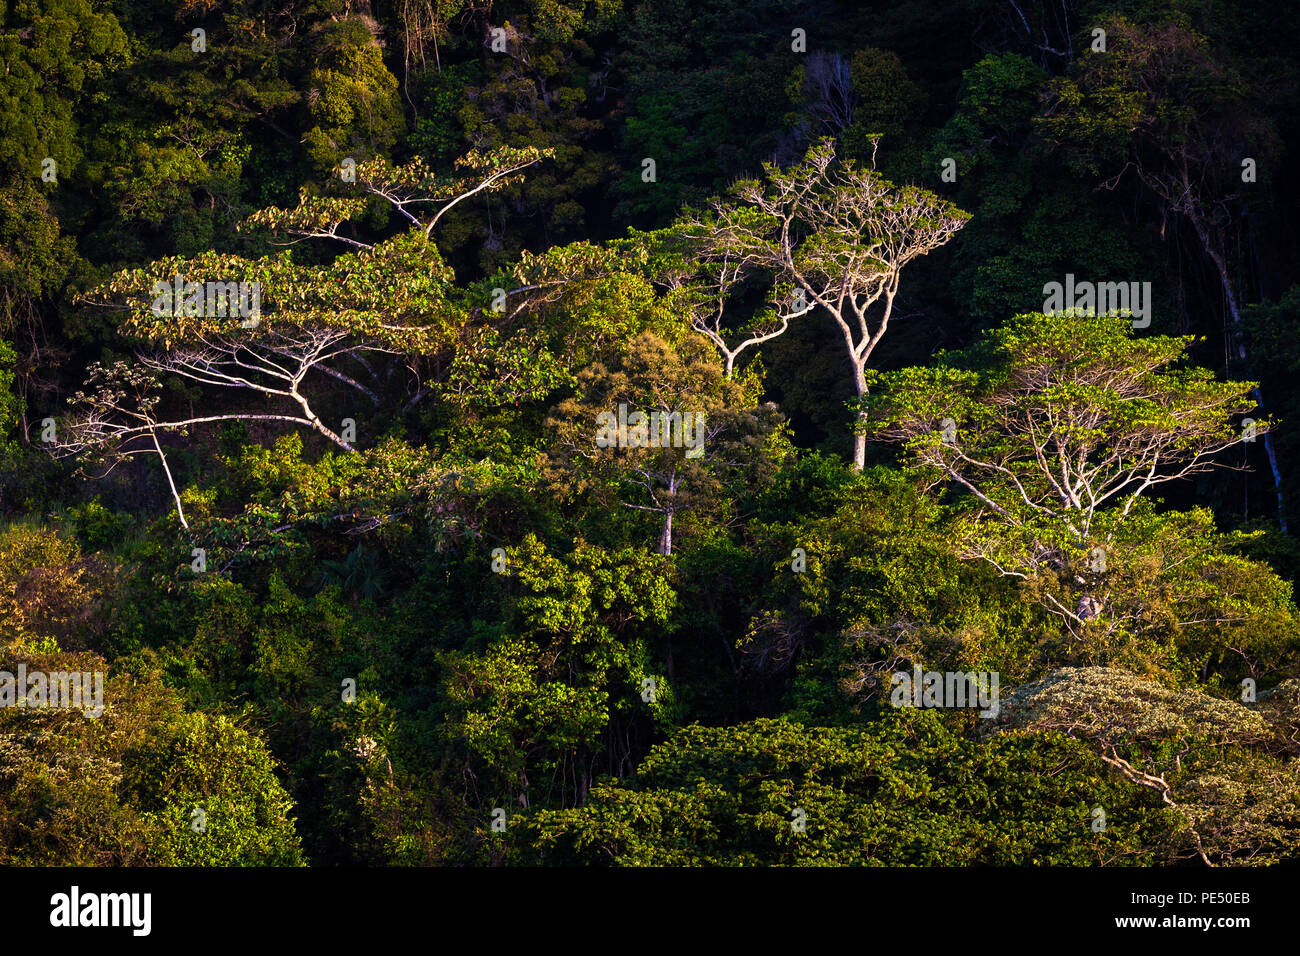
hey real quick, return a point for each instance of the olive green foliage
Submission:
(1211, 760)
(907, 792)
(144, 783)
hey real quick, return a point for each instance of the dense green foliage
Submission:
(382, 564)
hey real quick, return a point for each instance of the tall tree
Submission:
(694, 439)
(840, 235)
(1059, 427)
(391, 297)
(1159, 101)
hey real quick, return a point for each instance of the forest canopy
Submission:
(622, 433)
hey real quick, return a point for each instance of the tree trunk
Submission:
(859, 438)
(666, 538)
(1234, 312)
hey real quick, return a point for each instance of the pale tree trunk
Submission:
(1234, 312)
(859, 437)
(666, 537)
